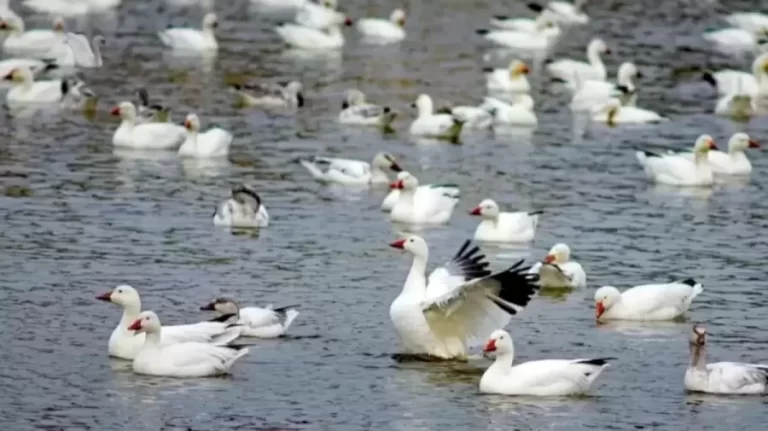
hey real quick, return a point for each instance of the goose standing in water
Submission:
(243, 210)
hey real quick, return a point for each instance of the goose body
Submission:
(613, 112)
(512, 79)
(311, 38)
(189, 40)
(271, 95)
(352, 172)
(569, 70)
(33, 43)
(242, 210)
(431, 125)
(733, 162)
(558, 270)
(256, 322)
(147, 136)
(422, 208)
(498, 226)
(383, 31)
(356, 110)
(679, 170)
(214, 142)
(647, 302)
(542, 38)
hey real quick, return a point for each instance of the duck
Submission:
(422, 208)
(549, 377)
(356, 110)
(734, 162)
(591, 93)
(565, 12)
(426, 192)
(569, 70)
(255, 321)
(613, 113)
(33, 43)
(214, 142)
(731, 81)
(558, 270)
(77, 51)
(352, 172)
(540, 39)
(318, 15)
(428, 124)
(26, 91)
(753, 22)
(512, 79)
(147, 136)
(124, 344)
(647, 302)
(242, 210)
(732, 38)
(383, 31)
(184, 359)
(500, 226)
(726, 378)
(443, 315)
(679, 170)
(308, 38)
(189, 40)
(270, 95)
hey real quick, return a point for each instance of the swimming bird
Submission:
(257, 322)
(558, 270)
(500, 226)
(356, 110)
(190, 40)
(679, 170)
(270, 95)
(214, 142)
(352, 172)
(242, 210)
(646, 302)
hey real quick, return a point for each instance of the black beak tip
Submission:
(344, 105)
(299, 100)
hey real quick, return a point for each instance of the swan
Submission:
(328, 38)
(733, 39)
(243, 210)
(429, 191)
(512, 79)
(721, 377)
(678, 170)
(318, 15)
(124, 344)
(592, 93)
(268, 95)
(569, 70)
(647, 302)
(549, 377)
(32, 43)
(190, 39)
(255, 321)
(383, 31)
(214, 142)
(26, 91)
(752, 22)
(77, 51)
(459, 304)
(564, 12)
(147, 136)
(356, 110)
(499, 226)
(431, 125)
(557, 270)
(734, 162)
(185, 359)
(352, 172)
(731, 81)
(422, 208)
(612, 112)
(542, 38)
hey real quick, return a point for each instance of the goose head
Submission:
(703, 144)
(413, 244)
(423, 105)
(487, 209)
(597, 46)
(293, 89)
(58, 26)
(210, 22)
(405, 181)
(500, 342)
(558, 254)
(12, 24)
(124, 296)
(518, 68)
(386, 161)
(627, 72)
(698, 336)
(222, 306)
(398, 17)
(605, 298)
(740, 142)
(192, 123)
(20, 75)
(330, 4)
(125, 110)
(353, 97)
(147, 322)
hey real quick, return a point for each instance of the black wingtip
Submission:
(501, 17)
(237, 87)
(517, 287)
(599, 362)
(487, 69)
(471, 262)
(535, 7)
(282, 310)
(50, 65)
(237, 346)
(689, 281)
(649, 153)
(223, 318)
(482, 31)
(537, 212)
(710, 78)
(344, 105)
(299, 100)
(624, 89)
(387, 110)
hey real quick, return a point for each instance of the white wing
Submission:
(650, 297)
(735, 376)
(670, 166)
(203, 332)
(81, 49)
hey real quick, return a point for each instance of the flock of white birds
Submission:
(459, 304)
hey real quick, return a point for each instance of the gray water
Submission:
(79, 219)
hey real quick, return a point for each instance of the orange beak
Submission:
(524, 69)
(400, 243)
(135, 326)
(348, 21)
(599, 309)
(396, 185)
(549, 258)
(116, 111)
(753, 144)
(712, 145)
(476, 211)
(490, 346)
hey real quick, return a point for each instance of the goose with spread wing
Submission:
(459, 305)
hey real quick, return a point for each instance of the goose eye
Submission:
(119, 290)
(146, 318)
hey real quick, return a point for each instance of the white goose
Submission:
(37, 67)
(242, 210)
(589, 94)
(32, 43)
(189, 40)
(721, 377)
(737, 106)
(428, 124)
(499, 226)
(185, 359)
(328, 38)
(417, 208)
(125, 344)
(459, 304)
(558, 270)
(25, 91)
(318, 15)
(612, 113)
(214, 142)
(540, 39)
(519, 113)
(549, 377)
(150, 112)
(512, 79)
(565, 12)
(255, 321)
(430, 192)
(522, 24)
(732, 39)
(679, 170)
(147, 136)
(753, 22)
(271, 95)
(731, 81)
(352, 172)
(77, 51)
(383, 31)
(570, 70)
(647, 302)
(734, 162)
(356, 110)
